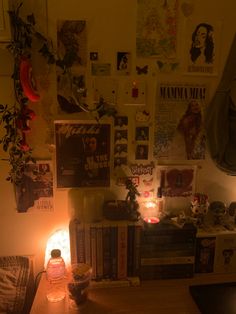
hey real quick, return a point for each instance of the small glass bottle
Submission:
(56, 272)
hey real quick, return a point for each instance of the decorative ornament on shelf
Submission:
(218, 210)
(199, 207)
(131, 202)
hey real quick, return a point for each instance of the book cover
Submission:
(122, 251)
(205, 254)
(225, 255)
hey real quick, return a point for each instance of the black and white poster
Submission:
(35, 192)
(202, 45)
(82, 154)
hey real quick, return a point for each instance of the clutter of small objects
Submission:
(204, 214)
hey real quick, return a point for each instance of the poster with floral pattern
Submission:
(156, 31)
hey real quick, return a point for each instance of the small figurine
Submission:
(131, 201)
(218, 210)
(199, 207)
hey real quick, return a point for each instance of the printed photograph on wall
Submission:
(176, 181)
(156, 28)
(202, 44)
(72, 51)
(142, 133)
(123, 63)
(35, 192)
(82, 154)
(141, 152)
(179, 132)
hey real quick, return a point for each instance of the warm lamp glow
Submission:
(59, 240)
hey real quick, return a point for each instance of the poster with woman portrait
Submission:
(179, 121)
(72, 53)
(82, 154)
(202, 42)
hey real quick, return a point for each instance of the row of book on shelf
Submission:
(111, 248)
(115, 250)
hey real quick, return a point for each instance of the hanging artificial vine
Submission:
(15, 118)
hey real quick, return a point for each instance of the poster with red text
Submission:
(179, 121)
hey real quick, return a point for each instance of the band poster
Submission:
(35, 192)
(179, 122)
(82, 154)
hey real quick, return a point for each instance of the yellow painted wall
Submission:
(111, 28)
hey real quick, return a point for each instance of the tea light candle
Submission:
(151, 220)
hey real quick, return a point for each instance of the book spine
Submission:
(73, 241)
(122, 252)
(99, 254)
(137, 247)
(130, 250)
(106, 239)
(93, 236)
(114, 251)
(87, 244)
(80, 243)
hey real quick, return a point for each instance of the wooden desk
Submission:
(159, 296)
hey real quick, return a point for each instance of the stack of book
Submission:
(112, 248)
(167, 251)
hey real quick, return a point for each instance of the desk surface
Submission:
(159, 296)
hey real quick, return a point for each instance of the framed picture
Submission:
(201, 51)
(82, 154)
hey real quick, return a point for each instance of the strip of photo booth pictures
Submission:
(120, 141)
(141, 152)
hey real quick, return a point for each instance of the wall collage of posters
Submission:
(90, 153)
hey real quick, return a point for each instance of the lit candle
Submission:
(151, 220)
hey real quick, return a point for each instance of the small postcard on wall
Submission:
(35, 192)
(82, 154)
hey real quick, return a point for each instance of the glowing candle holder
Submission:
(151, 220)
(150, 213)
